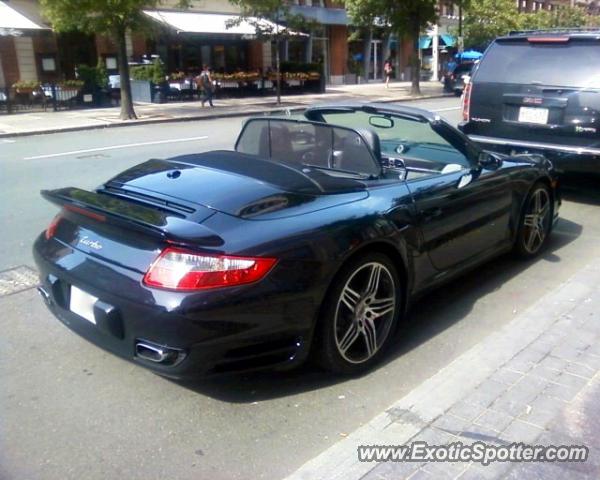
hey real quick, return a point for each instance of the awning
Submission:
(445, 40)
(210, 23)
(469, 55)
(424, 42)
(449, 40)
(12, 21)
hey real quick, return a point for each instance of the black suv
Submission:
(454, 81)
(539, 91)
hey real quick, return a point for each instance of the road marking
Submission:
(7, 141)
(116, 147)
(446, 109)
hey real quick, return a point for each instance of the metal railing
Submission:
(53, 97)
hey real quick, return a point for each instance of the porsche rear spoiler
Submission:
(102, 207)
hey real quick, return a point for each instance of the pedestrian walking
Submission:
(206, 85)
(388, 69)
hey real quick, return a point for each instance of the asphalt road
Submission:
(68, 410)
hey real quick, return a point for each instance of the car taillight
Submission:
(180, 269)
(51, 230)
(466, 100)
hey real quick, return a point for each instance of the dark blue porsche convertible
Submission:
(311, 238)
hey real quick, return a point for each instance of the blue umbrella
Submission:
(469, 55)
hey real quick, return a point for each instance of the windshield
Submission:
(462, 69)
(403, 137)
(578, 64)
(304, 145)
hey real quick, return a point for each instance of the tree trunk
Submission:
(367, 53)
(415, 88)
(127, 112)
(278, 69)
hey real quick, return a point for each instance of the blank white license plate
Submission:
(533, 115)
(82, 303)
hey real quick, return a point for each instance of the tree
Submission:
(365, 16)
(280, 25)
(488, 19)
(404, 17)
(564, 16)
(462, 6)
(109, 17)
(411, 17)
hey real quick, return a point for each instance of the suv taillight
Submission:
(466, 100)
(180, 269)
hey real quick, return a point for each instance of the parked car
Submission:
(454, 81)
(313, 236)
(539, 91)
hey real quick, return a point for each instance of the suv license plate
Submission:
(82, 303)
(533, 115)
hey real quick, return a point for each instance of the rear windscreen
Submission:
(571, 64)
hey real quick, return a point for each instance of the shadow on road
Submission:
(430, 315)
(581, 189)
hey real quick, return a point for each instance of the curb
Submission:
(292, 108)
(408, 416)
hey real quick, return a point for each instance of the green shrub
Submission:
(93, 77)
(154, 72)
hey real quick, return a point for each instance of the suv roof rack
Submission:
(592, 30)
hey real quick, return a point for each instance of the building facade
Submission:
(187, 39)
(183, 39)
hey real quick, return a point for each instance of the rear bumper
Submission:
(565, 158)
(201, 334)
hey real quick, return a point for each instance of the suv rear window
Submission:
(572, 64)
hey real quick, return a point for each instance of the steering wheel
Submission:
(308, 157)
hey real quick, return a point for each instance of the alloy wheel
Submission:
(536, 220)
(365, 312)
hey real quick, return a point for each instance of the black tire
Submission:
(535, 223)
(372, 322)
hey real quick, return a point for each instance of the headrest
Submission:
(372, 140)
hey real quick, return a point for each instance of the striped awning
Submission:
(213, 23)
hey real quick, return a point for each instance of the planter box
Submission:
(141, 91)
(350, 78)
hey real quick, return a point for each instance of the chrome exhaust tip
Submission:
(151, 352)
(44, 294)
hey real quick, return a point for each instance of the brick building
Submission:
(23, 40)
(184, 39)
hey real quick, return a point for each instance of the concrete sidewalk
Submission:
(72, 120)
(536, 381)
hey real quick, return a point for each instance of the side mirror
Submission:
(489, 160)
